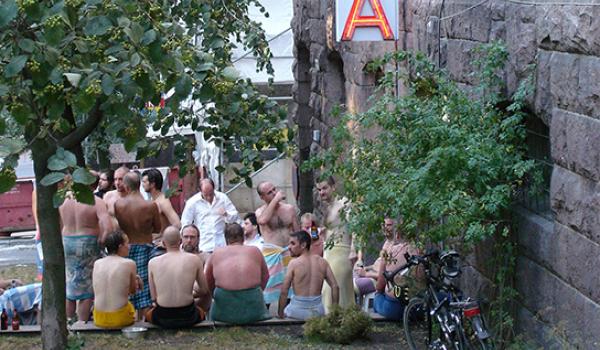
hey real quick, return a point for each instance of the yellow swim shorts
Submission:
(115, 319)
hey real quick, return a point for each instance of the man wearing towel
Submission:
(306, 274)
(276, 220)
(237, 275)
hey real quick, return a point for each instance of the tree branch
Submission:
(82, 131)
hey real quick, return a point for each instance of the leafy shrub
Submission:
(339, 326)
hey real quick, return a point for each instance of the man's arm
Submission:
(104, 220)
(287, 282)
(133, 278)
(264, 271)
(231, 213)
(267, 213)
(335, 289)
(380, 284)
(295, 223)
(208, 272)
(202, 292)
(169, 212)
(153, 294)
(187, 216)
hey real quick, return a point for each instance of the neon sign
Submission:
(362, 20)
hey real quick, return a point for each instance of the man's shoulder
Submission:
(110, 195)
(193, 199)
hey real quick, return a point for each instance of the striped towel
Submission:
(277, 259)
(23, 298)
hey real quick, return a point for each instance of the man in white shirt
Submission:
(209, 210)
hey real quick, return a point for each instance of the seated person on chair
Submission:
(171, 277)
(237, 274)
(386, 303)
(306, 274)
(114, 279)
(366, 276)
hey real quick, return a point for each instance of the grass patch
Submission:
(26, 273)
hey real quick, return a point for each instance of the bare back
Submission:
(137, 218)
(81, 219)
(113, 279)
(282, 223)
(172, 276)
(168, 216)
(237, 267)
(307, 274)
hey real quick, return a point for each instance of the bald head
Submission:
(207, 188)
(171, 238)
(132, 182)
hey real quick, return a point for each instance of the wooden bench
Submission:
(90, 327)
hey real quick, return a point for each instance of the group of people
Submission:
(176, 272)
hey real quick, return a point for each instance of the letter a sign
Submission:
(366, 20)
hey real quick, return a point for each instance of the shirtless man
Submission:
(115, 278)
(152, 182)
(111, 197)
(341, 255)
(237, 274)
(83, 229)
(139, 219)
(172, 277)
(276, 220)
(306, 274)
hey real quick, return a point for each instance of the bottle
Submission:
(314, 232)
(15, 320)
(4, 320)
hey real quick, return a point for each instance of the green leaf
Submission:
(15, 66)
(3, 90)
(2, 126)
(134, 32)
(108, 85)
(83, 194)
(231, 74)
(183, 86)
(207, 93)
(8, 179)
(123, 22)
(98, 25)
(8, 13)
(83, 176)
(149, 37)
(135, 59)
(10, 146)
(56, 163)
(54, 35)
(52, 178)
(70, 158)
(27, 45)
(58, 199)
(81, 46)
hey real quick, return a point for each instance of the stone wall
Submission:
(559, 259)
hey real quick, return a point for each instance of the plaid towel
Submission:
(23, 298)
(140, 253)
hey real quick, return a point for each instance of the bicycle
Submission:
(439, 318)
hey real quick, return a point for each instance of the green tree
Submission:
(447, 161)
(70, 66)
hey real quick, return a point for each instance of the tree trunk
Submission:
(305, 184)
(54, 318)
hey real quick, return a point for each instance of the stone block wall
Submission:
(559, 46)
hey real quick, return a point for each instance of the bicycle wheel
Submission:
(417, 324)
(477, 325)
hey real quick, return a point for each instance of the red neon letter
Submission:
(378, 20)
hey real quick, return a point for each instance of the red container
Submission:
(15, 208)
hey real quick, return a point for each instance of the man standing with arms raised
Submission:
(83, 229)
(276, 220)
(139, 220)
(111, 197)
(152, 182)
(172, 277)
(209, 210)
